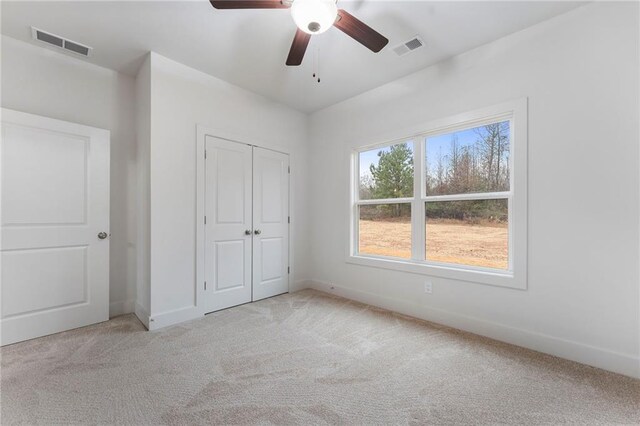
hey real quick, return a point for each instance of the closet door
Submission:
(228, 231)
(270, 223)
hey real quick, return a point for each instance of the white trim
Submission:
(122, 307)
(44, 123)
(352, 208)
(452, 123)
(142, 315)
(299, 285)
(494, 277)
(470, 196)
(518, 221)
(384, 201)
(236, 137)
(175, 316)
(201, 134)
(622, 363)
(418, 213)
(516, 274)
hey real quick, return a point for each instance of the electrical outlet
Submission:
(428, 287)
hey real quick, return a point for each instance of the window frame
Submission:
(515, 276)
(379, 201)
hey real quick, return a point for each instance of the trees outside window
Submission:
(465, 199)
(386, 176)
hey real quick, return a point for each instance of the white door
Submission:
(228, 231)
(55, 203)
(270, 223)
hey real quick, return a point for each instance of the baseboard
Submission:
(300, 285)
(142, 315)
(628, 365)
(166, 319)
(122, 307)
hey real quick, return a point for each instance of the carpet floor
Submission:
(302, 358)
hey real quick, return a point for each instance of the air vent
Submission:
(409, 46)
(75, 47)
(49, 38)
(60, 42)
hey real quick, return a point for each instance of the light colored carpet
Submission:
(304, 358)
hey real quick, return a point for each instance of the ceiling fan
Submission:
(313, 17)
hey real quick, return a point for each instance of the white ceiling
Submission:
(249, 47)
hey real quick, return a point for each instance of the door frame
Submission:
(201, 133)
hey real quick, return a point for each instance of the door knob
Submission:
(247, 232)
(258, 232)
(102, 235)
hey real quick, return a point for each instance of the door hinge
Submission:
(205, 285)
(288, 269)
(289, 219)
(205, 220)
(205, 154)
(289, 169)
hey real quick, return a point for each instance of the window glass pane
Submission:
(387, 172)
(474, 233)
(385, 230)
(468, 161)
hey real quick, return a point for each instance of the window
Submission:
(385, 188)
(450, 201)
(467, 196)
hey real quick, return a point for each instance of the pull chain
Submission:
(316, 65)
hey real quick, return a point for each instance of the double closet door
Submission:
(246, 250)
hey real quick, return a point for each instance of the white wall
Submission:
(181, 98)
(39, 81)
(580, 72)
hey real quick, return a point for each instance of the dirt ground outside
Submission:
(450, 241)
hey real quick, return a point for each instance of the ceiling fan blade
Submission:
(359, 31)
(249, 4)
(298, 47)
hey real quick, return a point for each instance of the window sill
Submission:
(478, 276)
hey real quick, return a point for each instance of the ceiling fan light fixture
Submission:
(314, 16)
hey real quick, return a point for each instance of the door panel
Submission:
(271, 223)
(230, 185)
(270, 186)
(55, 201)
(42, 163)
(227, 248)
(39, 279)
(227, 274)
(271, 252)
